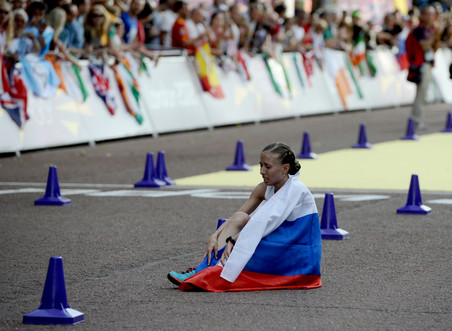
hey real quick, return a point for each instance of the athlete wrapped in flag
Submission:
(272, 242)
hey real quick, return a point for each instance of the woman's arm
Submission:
(235, 223)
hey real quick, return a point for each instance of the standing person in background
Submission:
(421, 45)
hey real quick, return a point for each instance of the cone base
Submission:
(53, 201)
(168, 181)
(366, 145)
(150, 183)
(54, 316)
(334, 234)
(307, 156)
(413, 137)
(243, 167)
(418, 210)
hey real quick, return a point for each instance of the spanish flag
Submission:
(205, 63)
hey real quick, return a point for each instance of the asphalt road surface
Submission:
(118, 243)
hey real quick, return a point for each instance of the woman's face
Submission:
(96, 18)
(272, 171)
(4, 12)
(218, 21)
(19, 22)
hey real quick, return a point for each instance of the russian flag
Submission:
(287, 258)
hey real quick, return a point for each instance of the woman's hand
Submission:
(212, 246)
(226, 253)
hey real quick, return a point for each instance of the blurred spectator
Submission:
(446, 36)
(83, 7)
(391, 28)
(196, 24)
(70, 37)
(180, 35)
(23, 42)
(97, 24)
(38, 25)
(330, 34)
(218, 33)
(150, 19)
(6, 25)
(56, 17)
(257, 32)
(168, 17)
(318, 41)
(131, 23)
(20, 4)
(421, 45)
(293, 35)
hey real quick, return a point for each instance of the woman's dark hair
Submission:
(286, 156)
(36, 5)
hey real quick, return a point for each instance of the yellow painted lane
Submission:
(386, 166)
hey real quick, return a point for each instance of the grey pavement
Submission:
(392, 274)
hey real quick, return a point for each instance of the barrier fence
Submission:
(172, 97)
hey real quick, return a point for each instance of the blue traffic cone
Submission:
(54, 308)
(52, 197)
(328, 225)
(410, 131)
(414, 202)
(306, 148)
(161, 172)
(362, 139)
(448, 127)
(149, 178)
(220, 222)
(239, 161)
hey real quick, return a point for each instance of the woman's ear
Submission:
(286, 168)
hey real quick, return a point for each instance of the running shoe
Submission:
(178, 279)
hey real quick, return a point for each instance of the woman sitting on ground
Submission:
(272, 242)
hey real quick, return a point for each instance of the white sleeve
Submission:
(269, 217)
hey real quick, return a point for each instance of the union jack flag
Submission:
(101, 85)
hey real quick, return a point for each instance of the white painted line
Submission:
(441, 201)
(22, 190)
(156, 193)
(223, 195)
(354, 197)
(67, 184)
(365, 197)
(75, 191)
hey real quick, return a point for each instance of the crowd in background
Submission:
(74, 29)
